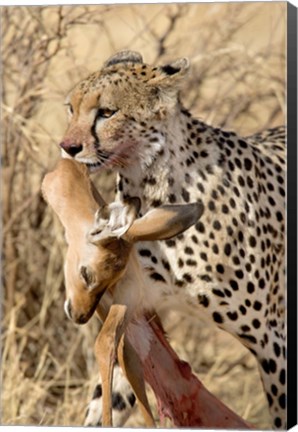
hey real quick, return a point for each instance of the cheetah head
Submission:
(117, 115)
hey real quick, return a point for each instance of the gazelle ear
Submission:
(122, 215)
(164, 222)
(134, 203)
(113, 220)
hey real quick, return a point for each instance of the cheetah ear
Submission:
(171, 74)
(179, 67)
(124, 57)
(164, 222)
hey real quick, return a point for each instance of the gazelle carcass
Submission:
(103, 274)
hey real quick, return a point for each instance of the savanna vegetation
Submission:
(236, 81)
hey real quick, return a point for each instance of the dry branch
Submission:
(235, 81)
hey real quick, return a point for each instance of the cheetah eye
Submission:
(69, 108)
(105, 113)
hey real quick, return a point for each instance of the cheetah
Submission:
(229, 267)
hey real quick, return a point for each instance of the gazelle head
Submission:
(100, 236)
(96, 263)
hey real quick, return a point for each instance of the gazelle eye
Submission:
(105, 113)
(87, 275)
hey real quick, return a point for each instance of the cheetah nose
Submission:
(71, 149)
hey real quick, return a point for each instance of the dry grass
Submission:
(237, 81)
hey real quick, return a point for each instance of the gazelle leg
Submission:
(130, 364)
(105, 348)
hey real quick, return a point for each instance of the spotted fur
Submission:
(230, 265)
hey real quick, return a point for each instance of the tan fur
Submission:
(229, 267)
(96, 260)
(155, 92)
